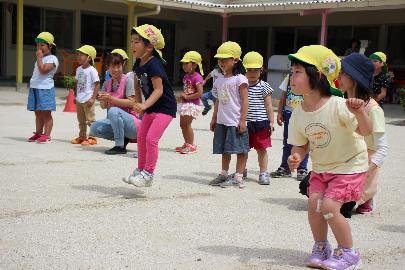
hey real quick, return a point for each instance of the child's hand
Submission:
(280, 119)
(213, 124)
(104, 97)
(184, 95)
(139, 108)
(90, 102)
(355, 105)
(39, 53)
(241, 127)
(294, 161)
(271, 128)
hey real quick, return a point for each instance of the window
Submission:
(92, 30)
(369, 34)
(251, 39)
(116, 32)
(339, 39)
(307, 36)
(395, 48)
(36, 20)
(283, 40)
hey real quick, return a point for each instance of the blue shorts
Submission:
(227, 140)
(41, 99)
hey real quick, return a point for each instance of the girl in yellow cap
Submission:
(328, 128)
(229, 118)
(41, 96)
(159, 107)
(87, 87)
(189, 103)
(381, 77)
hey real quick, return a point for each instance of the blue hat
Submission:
(359, 68)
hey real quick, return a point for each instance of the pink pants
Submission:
(152, 127)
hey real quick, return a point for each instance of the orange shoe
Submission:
(77, 140)
(92, 140)
(85, 143)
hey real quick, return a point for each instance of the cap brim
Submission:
(300, 57)
(223, 55)
(253, 66)
(186, 60)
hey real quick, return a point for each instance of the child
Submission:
(356, 81)
(41, 96)
(208, 96)
(326, 126)
(260, 115)
(229, 117)
(286, 105)
(117, 95)
(159, 107)
(381, 78)
(87, 87)
(189, 104)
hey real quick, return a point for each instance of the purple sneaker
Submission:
(343, 259)
(321, 251)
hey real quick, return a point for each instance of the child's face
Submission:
(378, 65)
(44, 48)
(189, 67)
(346, 83)
(139, 49)
(253, 74)
(82, 58)
(226, 65)
(299, 80)
(115, 71)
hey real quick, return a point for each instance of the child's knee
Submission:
(329, 210)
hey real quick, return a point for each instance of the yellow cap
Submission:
(229, 49)
(380, 56)
(324, 59)
(253, 60)
(89, 50)
(195, 57)
(120, 52)
(45, 37)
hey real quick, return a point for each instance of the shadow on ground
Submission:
(126, 193)
(295, 204)
(276, 255)
(392, 228)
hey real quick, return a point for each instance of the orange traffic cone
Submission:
(70, 104)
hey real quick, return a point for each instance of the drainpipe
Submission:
(225, 18)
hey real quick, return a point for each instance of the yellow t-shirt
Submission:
(334, 145)
(376, 115)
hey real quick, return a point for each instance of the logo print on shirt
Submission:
(318, 135)
(223, 94)
(81, 82)
(144, 83)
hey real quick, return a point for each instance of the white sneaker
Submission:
(143, 179)
(126, 179)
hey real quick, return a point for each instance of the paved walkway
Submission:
(64, 206)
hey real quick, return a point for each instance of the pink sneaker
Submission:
(44, 139)
(179, 148)
(321, 251)
(34, 137)
(365, 208)
(189, 149)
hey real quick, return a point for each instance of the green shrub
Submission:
(69, 82)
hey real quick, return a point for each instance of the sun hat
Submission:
(120, 52)
(154, 36)
(45, 37)
(89, 50)
(253, 60)
(324, 59)
(229, 49)
(195, 57)
(359, 68)
(380, 56)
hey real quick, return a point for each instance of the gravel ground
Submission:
(64, 206)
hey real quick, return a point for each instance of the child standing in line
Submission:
(381, 78)
(260, 115)
(327, 127)
(41, 96)
(209, 96)
(286, 105)
(87, 87)
(189, 104)
(159, 107)
(356, 80)
(229, 118)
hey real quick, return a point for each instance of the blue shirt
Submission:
(166, 104)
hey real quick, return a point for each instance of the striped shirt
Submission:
(257, 108)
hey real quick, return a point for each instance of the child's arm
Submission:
(281, 105)
(138, 91)
(297, 152)
(156, 94)
(96, 89)
(269, 109)
(357, 107)
(43, 68)
(207, 79)
(243, 89)
(382, 94)
(213, 123)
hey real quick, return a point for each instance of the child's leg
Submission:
(186, 129)
(211, 97)
(241, 162)
(338, 223)
(226, 160)
(48, 122)
(286, 147)
(81, 118)
(156, 129)
(204, 99)
(39, 122)
(262, 158)
(147, 120)
(319, 226)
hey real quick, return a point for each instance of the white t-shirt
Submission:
(86, 77)
(229, 101)
(44, 81)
